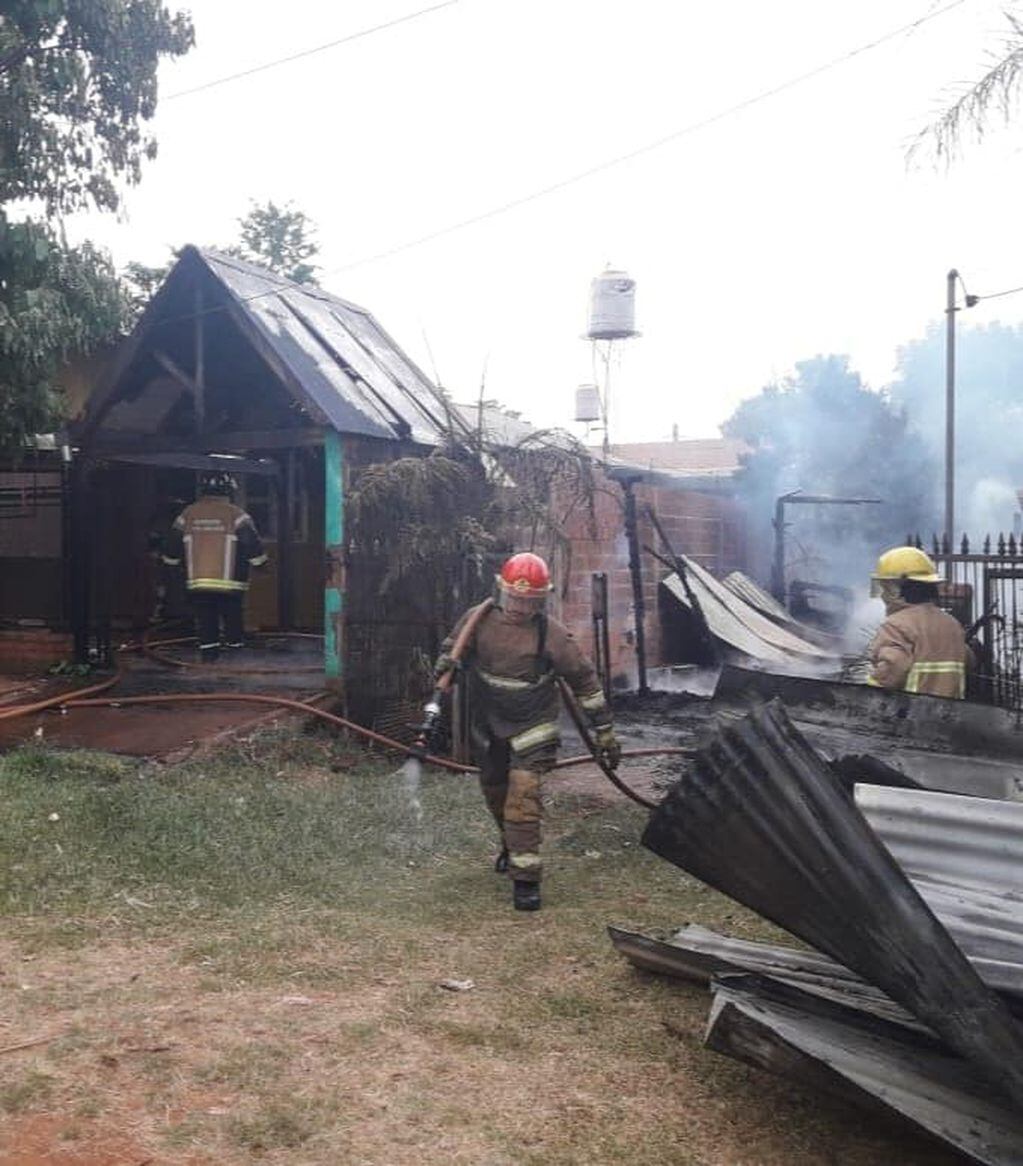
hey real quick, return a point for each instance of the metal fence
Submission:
(984, 590)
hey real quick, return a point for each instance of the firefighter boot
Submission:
(526, 896)
(522, 812)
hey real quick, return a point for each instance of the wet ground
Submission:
(277, 666)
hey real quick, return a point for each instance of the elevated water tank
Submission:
(612, 306)
(587, 403)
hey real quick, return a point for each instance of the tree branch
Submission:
(998, 87)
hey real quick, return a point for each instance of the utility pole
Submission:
(950, 409)
(969, 301)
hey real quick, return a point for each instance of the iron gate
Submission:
(984, 590)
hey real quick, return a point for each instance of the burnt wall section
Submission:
(706, 525)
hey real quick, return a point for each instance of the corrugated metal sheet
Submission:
(760, 600)
(355, 374)
(735, 623)
(972, 842)
(753, 594)
(865, 1061)
(759, 816)
(698, 954)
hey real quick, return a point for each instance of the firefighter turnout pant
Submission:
(512, 788)
(216, 610)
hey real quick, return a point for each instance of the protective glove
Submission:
(444, 664)
(608, 747)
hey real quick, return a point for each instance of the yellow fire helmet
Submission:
(904, 563)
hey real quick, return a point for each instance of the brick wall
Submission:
(707, 527)
(31, 651)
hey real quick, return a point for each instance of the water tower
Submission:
(612, 318)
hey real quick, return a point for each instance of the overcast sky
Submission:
(790, 228)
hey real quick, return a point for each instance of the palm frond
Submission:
(969, 115)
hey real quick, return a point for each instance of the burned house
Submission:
(290, 389)
(297, 392)
(690, 487)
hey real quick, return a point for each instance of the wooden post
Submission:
(636, 572)
(200, 365)
(80, 549)
(333, 596)
(285, 487)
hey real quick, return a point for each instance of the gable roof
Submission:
(333, 357)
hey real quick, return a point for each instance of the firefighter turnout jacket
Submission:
(921, 648)
(218, 542)
(512, 668)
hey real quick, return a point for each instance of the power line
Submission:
(997, 295)
(620, 159)
(649, 147)
(308, 52)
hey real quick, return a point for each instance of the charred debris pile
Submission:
(908, 997)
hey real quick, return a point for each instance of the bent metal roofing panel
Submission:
(355, 374)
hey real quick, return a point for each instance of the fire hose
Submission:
(88, 697)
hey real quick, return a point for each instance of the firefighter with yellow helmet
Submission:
(919, 648)
(512, 663)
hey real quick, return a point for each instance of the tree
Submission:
(55, 301)
(78, 78)
(141, 282)
(989, 414)
(996, 91)
(280, 239)
(825, 432)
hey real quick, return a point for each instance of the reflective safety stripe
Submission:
(954, 668)
(594, 702)
(509, 684)
(541, 734)
(525, 861)
(258, 561)
(230, 543)
(216, 585)
(872, 683)
(170, 562)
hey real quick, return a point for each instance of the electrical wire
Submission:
(649, 147)
(262, 68)
(998, 295)
(600, 167)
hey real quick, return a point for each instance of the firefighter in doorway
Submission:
(219, 543)
(919, 647)
(511, 664)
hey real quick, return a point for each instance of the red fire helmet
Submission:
(526, 575)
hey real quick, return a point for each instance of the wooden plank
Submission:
(200, 361)
(235, 441)
(168, 364)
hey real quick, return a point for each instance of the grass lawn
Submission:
(239, 958)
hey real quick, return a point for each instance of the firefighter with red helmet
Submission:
(218, 543)
(512, 664)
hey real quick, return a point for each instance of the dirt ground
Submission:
(157, 1056)
(254, 955)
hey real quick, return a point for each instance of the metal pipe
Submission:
(779, 587)
(950, 407)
